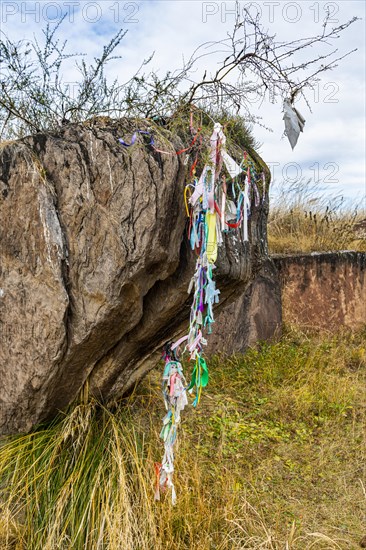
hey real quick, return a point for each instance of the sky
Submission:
(330, 152)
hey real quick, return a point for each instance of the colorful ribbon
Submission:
(212, 210)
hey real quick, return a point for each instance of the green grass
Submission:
(273, 458)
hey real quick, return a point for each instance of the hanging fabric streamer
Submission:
(134, 137)
(152, 142)
(175, 398)
(214, 208)
(294, 122)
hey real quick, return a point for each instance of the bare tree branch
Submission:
(250, 61)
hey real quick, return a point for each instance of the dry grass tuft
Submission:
(303, 218)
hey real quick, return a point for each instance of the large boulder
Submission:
(95, 266)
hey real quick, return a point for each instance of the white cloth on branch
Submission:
(294, 122)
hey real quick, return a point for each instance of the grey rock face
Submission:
(255, 316)
(94, 266)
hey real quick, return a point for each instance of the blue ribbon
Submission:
(133, 140)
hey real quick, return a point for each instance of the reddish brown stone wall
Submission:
(325, 290)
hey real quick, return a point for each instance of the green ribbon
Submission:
(199, 374)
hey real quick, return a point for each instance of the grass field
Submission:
(306, 218)
(274, 458)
